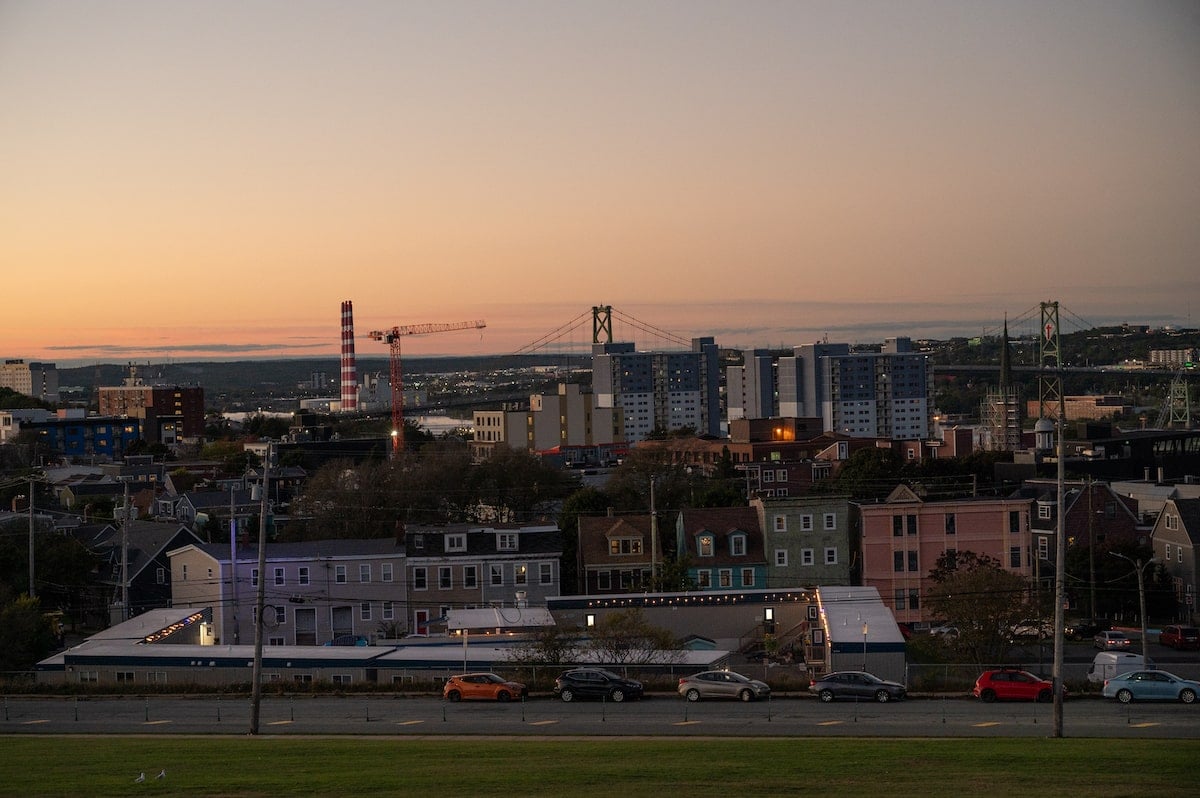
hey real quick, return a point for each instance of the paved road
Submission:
(663, 715)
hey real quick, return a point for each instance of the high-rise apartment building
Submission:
(750, 387)
(659, 390)
(39, 380)
(882, 394)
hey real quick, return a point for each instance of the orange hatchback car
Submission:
(487, 686)
(1011, 684)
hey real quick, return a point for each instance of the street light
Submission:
(1140, 567)
(864, 645)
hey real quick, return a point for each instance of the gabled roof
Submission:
(1189, 516)
(148, 540)
(722, 522)
(481, 540)
(338, 548)
(595, 532)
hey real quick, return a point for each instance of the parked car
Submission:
(1031, 630)
(722, 684)
(595, 683)
(1085, 628)
(1151, 686)
(946, 631)
(1108, 664)
(1180, 637)
(488, 686)
(1112, 641)
(1012, 684)
(856, 684)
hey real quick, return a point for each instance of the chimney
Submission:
(349, 369)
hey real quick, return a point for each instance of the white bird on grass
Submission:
(162, 774)
(141, 777)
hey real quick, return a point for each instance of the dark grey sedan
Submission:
(856, 684)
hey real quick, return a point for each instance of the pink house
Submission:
(904, 535)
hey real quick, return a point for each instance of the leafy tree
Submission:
(983, 600)
(673, 575)
(342, 500)
(26, 635)
(547, 647)
(585, 501)
(625, 637)
(515, 485)
(870, 473)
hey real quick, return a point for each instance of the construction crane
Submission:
(393, 337)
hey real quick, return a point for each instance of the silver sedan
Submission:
(722, 684)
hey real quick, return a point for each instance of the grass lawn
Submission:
(627, 767)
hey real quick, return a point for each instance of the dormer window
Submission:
(617, 546)
(737, 545)
(456, 542)
(506, 541)
(704, 546)
(418, 541)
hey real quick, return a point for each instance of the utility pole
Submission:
(32, 584)
(1092, 545)
(260, 598)
(1060, 582)
(1139, 566)
(125, 554)
(653, 539)
(233, 576)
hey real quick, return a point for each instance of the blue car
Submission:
(1151, 686)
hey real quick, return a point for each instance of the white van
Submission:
(1108, 664)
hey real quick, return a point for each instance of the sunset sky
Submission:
(211, 179)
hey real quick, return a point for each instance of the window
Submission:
(418, 541)
(385, 571)
(279, 580)
(506, 541)
(951, 523)
(471, 576)
(124, 677)
(603, 580)
(520, 574)
(280, 615)
(1044, 512)
(1014, 556)
(912, 524)
(806, 523)
(780, 523)
(831, 555)
(1179, 554)
(725, 577)
(157, 677)
(625, 546)
(389, 611)
(340, 678)
(183, 573)
(497, 574)
(445, 582)
(253, 577)
(747, 577)
(897, 526)
(364, 573)
(704, 579)
(704, 545)
(768, 476)
(456, 542)
(901, 598)
(806, 557)
(1172, 521)
(913, 565)
(364, 611)
(546, 573)
(830, 521)
(1014, 521)
(420, 579)
(88, 677)
(1167, 552)
(781, 558)
(339, 574)
(160, 576)
(737, 545)
(626, 580)
(302, 575)
(914, 599)
(1043, 547)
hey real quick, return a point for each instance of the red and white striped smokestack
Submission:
(349, 369)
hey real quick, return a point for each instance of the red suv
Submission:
(1180, 637)
(1011, 684)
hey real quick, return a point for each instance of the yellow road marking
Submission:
(409, 722)
(279, 723)
(1143, 725)
(831, 722)
(987, 724)
(542, 722)
(32, 722)
(686, 723)
(155, 722)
